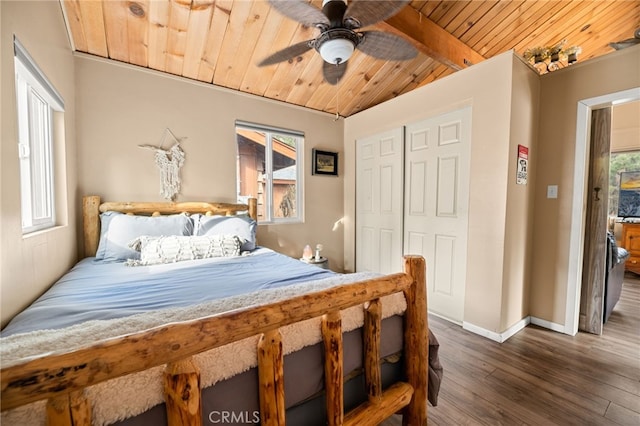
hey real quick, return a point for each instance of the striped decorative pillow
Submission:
(174, 248)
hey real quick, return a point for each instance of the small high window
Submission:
(268, 169)
(37, 101)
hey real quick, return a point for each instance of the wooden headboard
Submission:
(92, 207)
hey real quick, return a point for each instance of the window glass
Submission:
(36, 102)
(628, 161)
(268, 161)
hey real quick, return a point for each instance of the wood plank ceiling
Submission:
(221, 41)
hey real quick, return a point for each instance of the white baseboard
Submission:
(497, 337)
(550, 325)
(502, 337)
(445, 318)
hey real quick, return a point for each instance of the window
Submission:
(626, 161)
(268, 169)
(37, 102)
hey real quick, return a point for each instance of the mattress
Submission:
(95, 290)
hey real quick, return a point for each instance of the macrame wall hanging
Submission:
(169, 162)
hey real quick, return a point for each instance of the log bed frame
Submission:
(61, 377)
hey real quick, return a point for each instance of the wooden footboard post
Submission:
(182, 393)
(333, 367)
(416, 341)
(271, 378)
(372, 327)
(71, 409)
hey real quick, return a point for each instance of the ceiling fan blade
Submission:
(618, 45)
(333, 73)
(287, 53)
(622, 44)
(386, 46)
(301, 11)
(368, 12)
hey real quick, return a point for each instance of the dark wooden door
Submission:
(594, 258)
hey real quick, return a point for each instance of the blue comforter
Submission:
(93, 290)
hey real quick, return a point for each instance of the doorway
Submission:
(577, 236)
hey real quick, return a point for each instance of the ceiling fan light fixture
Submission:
(338, 22)
(336, 51)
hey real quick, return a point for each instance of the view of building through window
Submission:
(268, 170)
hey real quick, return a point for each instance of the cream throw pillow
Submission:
(174, 248)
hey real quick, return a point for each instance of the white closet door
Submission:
(379, 203)
(436, 206)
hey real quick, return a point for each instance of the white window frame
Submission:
(269, 131)
(36, 102)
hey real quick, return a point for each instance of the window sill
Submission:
(34, 234)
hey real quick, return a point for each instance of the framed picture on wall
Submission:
(325, 163)
(629, 195)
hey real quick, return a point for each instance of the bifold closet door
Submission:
(379, 202)
(437, 163)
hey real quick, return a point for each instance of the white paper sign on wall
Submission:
(523, 162)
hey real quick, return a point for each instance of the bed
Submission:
(170, 337)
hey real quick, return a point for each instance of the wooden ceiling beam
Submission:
(431, 39)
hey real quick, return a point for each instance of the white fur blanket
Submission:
(130, 395)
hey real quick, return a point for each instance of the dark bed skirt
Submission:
(235, 401)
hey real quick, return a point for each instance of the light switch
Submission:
(552, 191)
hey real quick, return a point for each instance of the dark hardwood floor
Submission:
(540, 377)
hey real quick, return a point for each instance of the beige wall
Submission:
(122, 106)
(519, 219)
(487, 87)
(30, 264)
(560, 93)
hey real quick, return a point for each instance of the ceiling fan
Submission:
(338, 24)
(628, 42)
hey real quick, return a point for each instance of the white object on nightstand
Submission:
(307, 253)
(323, 262)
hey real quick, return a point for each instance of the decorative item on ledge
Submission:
(551, 58)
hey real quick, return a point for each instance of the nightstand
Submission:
(322, 263)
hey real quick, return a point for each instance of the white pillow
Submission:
(242, 226)
(118, 229)
(173, 248)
